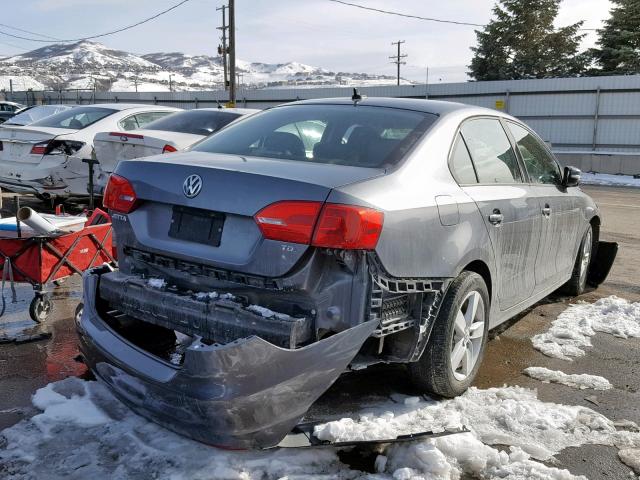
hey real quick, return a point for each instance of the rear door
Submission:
(561, 217)
(508, 207)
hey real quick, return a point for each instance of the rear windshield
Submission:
(76, 118)
(197, 122)
(33, 114)
(363, 136)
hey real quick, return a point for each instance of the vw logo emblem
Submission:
(192, 186)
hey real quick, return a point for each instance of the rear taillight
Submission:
(39, 148)
(119, 195)
(291, 221)
(169, 149)
(348, 227)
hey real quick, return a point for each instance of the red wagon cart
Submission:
(41, 260)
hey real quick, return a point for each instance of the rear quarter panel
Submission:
(431, 227)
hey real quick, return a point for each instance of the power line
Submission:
(28, 31)
(128, 27)
(428, 19)
(389, 12)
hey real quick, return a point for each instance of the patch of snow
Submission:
(207, 295)
(631, 458)
(156, 282)
(570, 333)
(608, 179)
(88, 433)
(266, 313)
(581, 381)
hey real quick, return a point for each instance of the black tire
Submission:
(578, 281)
(40, 308)
(433, 373)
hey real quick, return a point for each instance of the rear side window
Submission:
(540, 164)
(77, 118)
(146, 118)
(461, 165)
(491, 151)
(196, 122)
(361, 136)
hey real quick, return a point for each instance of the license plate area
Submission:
(196, 225)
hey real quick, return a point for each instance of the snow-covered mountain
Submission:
(85, 64)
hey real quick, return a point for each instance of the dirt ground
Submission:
(24, 367)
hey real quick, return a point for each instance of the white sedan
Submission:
(169, 134)
(46, 156)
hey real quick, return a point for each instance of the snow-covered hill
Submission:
(85, 64)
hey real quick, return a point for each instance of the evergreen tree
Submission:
(521, 42)
(618, 46)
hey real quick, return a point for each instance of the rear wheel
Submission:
(578, 281)
(40, 308)
(453, 355)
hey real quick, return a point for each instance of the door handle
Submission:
(496, 217)
(546, 211)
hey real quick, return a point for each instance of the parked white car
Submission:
(168, 134)
(45, 157)
(35, 113)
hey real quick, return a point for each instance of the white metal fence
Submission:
(593, 122)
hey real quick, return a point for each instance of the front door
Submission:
(560, 211)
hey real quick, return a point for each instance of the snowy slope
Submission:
(79, 64)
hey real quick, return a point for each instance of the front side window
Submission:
(461, 165)
(77, 118)
(540, 164)
(491, 151)
(363, 136)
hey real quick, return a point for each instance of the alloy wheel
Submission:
(468, 335)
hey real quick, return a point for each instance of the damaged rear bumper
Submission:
(245, 394)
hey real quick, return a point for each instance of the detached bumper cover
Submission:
(245, 394)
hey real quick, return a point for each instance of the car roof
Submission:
(6, 102)
(128, 106)
(436, 107)
(241, 111)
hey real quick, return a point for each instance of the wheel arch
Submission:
(482, 269)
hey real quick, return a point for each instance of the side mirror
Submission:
(571, 177)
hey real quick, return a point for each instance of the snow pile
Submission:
(570, 333)
(607, 179)
(84, 432)
(497, 416)
(581, 381)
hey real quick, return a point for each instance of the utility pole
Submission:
(397, 59)
(170, 84)
(232, 54)
(222, 49)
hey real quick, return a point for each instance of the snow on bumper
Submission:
(245, 394)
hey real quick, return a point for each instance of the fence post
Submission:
(596, 114)
(196, 100)
(155, 100)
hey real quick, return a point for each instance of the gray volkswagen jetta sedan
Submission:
(323, 236)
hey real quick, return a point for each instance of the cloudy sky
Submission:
(316, 32)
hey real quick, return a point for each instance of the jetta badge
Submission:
(192, 186)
